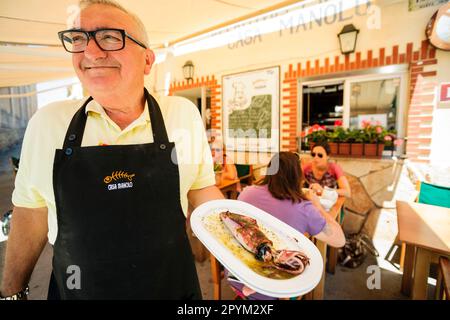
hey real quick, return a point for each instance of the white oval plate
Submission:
(205, 218)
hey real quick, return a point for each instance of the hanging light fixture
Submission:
(188, 70)
(347, 38)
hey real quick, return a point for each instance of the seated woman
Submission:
(229, 171)
(320, 173)
(281, 195)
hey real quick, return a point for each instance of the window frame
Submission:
(347, 78)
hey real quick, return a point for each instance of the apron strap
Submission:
(74, 135)
(156, 118)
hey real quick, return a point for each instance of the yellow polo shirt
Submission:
(47, 128)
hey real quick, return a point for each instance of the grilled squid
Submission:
(247, 233)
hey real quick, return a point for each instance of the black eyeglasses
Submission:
(76, 41)
(313, 154)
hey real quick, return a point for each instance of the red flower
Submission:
(338, 123)
(365, 123)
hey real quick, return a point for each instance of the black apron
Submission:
(120, 223)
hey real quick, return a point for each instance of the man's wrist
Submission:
(20, 295)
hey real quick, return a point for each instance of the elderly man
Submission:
(102, 178)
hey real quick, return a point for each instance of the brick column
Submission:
(288, 112)
(422, 96)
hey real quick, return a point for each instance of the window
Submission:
(376, 95)
(375, 101)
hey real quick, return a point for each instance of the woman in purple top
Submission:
(281, 195)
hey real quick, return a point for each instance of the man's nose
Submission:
(93, 51)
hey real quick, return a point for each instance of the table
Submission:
(228, 188)
(318, 292)
(426, 231)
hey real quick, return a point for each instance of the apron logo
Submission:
(119, 175)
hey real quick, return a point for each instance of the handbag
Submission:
(355, 250)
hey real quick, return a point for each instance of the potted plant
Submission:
(315, 134)
(334, 138)
(356, 137)
(333, 142)
(339, 137)
(218, 172)
(373, 139)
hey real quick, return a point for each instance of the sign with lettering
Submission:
(445, 92)
(421, 4)
(250, 104)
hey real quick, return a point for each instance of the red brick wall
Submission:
(211, 83)
(420, 101)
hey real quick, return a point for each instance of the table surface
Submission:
(226, 183)
(336, 208)
(424, 225)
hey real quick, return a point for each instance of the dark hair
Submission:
(287, 182)
(324, 145)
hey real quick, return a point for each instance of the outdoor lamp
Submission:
(347, 38)
(188, 70)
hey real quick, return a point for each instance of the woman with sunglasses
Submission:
(321, 173)
(281, 195)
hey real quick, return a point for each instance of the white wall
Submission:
(440, 145)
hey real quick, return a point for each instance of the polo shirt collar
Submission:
(95, 107)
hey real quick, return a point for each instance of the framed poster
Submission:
(250, 110)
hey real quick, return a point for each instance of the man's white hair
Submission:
(143, 37)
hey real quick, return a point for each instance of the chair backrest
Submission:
(434, 195)
(242, 169)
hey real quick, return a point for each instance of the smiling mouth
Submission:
(101, 67)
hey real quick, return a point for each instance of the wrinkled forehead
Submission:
(100, 16)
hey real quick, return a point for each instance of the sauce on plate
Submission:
(216, 227)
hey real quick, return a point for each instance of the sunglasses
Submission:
(313, 154)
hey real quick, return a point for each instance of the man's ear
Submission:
(149, 59)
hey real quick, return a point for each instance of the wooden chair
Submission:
(217, 276)
(443, 280)
(332, 251)
(245, 173)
